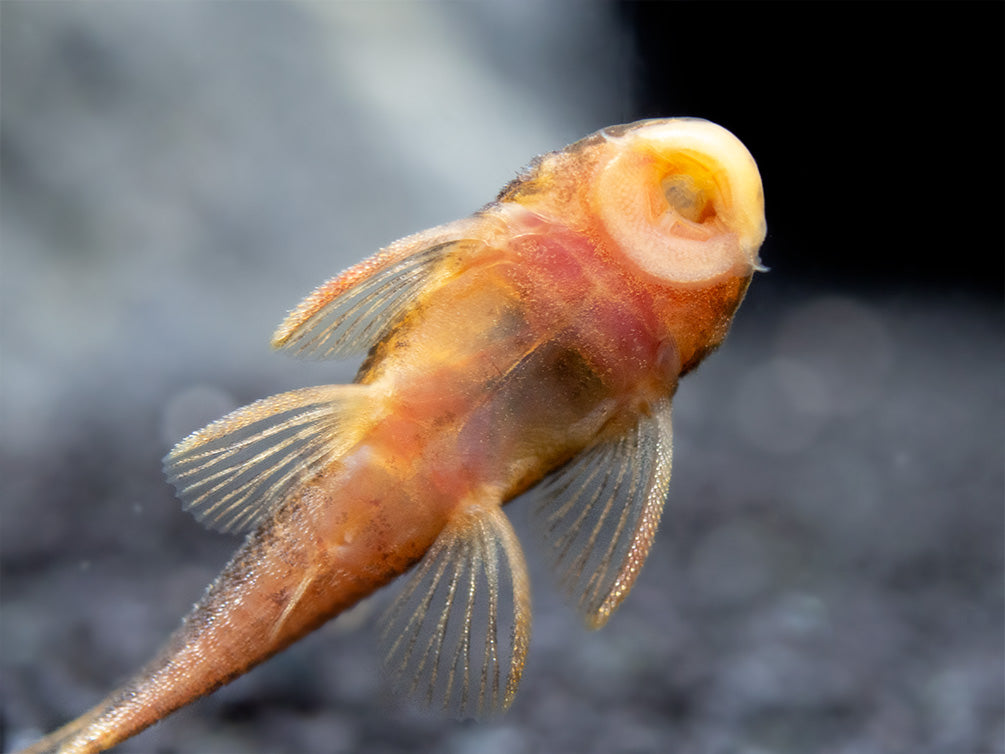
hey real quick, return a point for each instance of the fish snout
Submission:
(683, 199)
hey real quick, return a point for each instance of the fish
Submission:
(535, 345)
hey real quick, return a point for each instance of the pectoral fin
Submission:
(599, 513)
(458, 633)
(236, 471)
(350, 313)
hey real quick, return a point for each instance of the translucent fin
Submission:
(600, 512)
(236, 471)
(458, 634)
(350, 313)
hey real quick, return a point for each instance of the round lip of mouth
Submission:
(729, 166)
(720, 152)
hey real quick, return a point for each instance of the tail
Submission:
(230, 630)
(252, 467)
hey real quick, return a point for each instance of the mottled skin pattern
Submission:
(537, 337)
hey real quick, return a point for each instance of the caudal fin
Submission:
(235, 474)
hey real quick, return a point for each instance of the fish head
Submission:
(682, 200)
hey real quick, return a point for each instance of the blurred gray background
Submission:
(829, 573)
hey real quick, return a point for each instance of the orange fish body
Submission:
(540, 339)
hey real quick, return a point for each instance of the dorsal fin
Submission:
(350, 313)
(599, 513)
(236, 471)
(457, 635)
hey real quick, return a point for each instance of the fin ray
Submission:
(600, 512)
(350, 313)
(445, 633)
(233, 473)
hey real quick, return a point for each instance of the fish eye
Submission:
(685, 197)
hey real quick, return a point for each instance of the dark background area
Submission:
(829, 572)
(870, 116)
